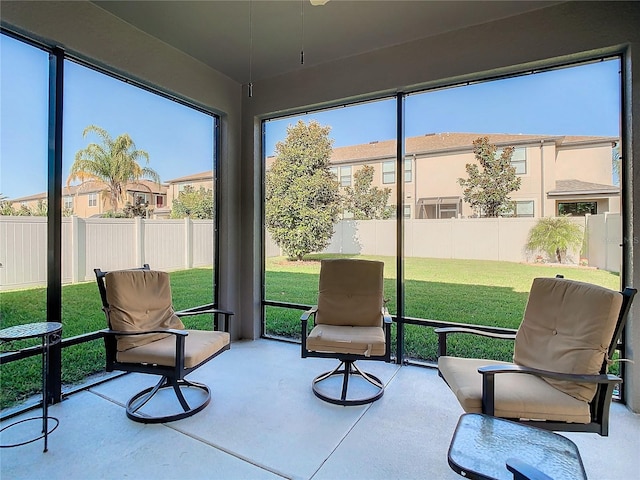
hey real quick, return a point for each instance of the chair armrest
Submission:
(488, 373)
(312, 311)
(172, 331)
(208, 308)
(304, 331)
(444, 332)
(571, 377)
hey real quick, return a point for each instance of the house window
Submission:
(523, 208)
(140, 199)
(93, 199)
(407, 211)
(577, 209)
(518, 159)
(68, 203)
(343, 175)
(389, 172)
(159, 201)
(408, 170)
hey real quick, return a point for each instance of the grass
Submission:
(464, 291)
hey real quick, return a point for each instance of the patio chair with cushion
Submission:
(351, 323)
(146, 335)
(558, 379)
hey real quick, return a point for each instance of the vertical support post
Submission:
(400, 153)
(75, 250)
(188, 243)
(53, 392)
(138, 240)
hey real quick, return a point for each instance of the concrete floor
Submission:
(265, 423)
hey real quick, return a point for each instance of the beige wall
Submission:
(173, 190)
(585, 163)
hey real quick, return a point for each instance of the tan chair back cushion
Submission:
(567, 327)
(140, 300)
(350, 293)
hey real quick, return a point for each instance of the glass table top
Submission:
(29, 330)
(482, 444)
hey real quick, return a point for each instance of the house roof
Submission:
(144, 186)
(208, 175)
(449, 142)
(578, 187)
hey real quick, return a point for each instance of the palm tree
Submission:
(554, 235)
(114, 164)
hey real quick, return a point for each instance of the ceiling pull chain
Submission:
(250, 85)
(302, 35)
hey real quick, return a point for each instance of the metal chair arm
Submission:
(444, 332)
(488, 373)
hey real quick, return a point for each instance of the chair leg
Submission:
(347, 368)
(140, 399)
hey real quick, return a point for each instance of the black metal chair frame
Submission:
(347, 366)
(170, 377)
(599, 406)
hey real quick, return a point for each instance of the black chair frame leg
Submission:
(140, 399)
(347, 368)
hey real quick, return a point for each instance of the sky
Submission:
(582, 100)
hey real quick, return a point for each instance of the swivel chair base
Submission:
(349, 369)
(140, 399)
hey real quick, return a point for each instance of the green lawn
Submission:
(465, 291)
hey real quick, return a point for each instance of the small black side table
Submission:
(51, 334)
(482, 445)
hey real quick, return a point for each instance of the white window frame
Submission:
(388, 170)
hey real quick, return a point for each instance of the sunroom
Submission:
(261, 386)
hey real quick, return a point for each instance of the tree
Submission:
(616, 159)
(365, 201)
(193, 203)
(6, 208)
(488, 190)
(555, 236)
(114, 164)
(302, 202)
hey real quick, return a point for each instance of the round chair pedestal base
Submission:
(142, 398)
(350, 369)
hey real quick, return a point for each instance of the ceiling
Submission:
(218, 32)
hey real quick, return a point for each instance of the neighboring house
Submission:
(93, 200)
(560, 174)
(176, 185)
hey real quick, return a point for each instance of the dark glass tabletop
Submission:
(481, 446)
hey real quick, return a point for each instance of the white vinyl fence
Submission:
(180, 244)
(105, 243)
(501, 239)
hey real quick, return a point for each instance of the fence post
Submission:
(188, 241)
(138, 242)
(75, 250)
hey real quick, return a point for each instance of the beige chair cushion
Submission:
(199, 346)
(516, 395)
(567, 327)
(368, 341)
(140, 300)
(350, 293)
